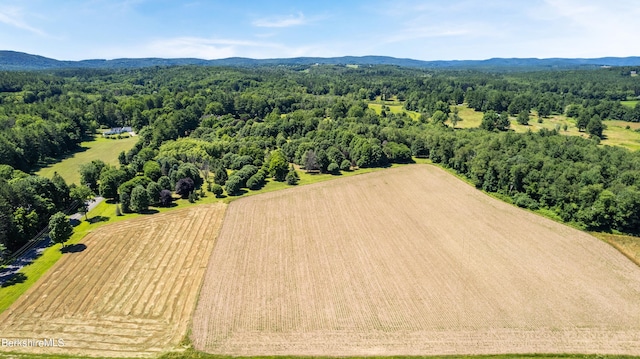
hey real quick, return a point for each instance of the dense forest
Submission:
(230, 129)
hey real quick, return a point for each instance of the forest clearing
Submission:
(409, 261)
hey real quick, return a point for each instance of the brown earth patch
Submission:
(409, 261)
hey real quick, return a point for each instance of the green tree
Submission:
(220, 175)
(90, 173)
(523, 117)
(165, 183)
(595, 127)
(82, 194)
(60, 229)
(110, 180)
(455, 116)
(278, 166)
(217, 190)
(345, 165)
(583, 120)
(489, 120)
(122, 159)
(502, 123)
(292, 177)
(125, 202)
(153, 190)
(139, 199)
(233, 185)
(439, 117)
(152, 170)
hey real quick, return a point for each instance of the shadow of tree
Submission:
(16, 278)
(97, 219)
(74, 248)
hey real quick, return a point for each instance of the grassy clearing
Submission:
(100, 148)
(395, 107)
(470, 118)
(616, 134)
(630, 103)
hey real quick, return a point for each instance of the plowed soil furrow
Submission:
(409, 261)
(149, 270)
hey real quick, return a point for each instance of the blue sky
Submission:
(425, 30)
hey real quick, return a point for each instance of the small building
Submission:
(117, 131)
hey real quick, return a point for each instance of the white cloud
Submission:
(415, 33)
(592, 28)
(208, 48)
(282, 21)
(12, 16)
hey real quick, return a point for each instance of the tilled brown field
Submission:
(131, 292)
(409, 261)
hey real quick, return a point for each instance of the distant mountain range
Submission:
(12, 60)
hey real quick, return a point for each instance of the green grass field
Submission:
(395, 107)
(630, 103)
(616, 133)
(98, 149)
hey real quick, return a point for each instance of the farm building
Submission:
(117, 131)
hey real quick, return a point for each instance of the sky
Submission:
(423, 30)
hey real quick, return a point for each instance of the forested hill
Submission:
(11, 60)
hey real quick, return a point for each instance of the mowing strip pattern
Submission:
(131, 292)
(409, 261)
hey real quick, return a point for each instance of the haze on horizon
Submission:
(423, 30)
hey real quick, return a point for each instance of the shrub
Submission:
(292, 177)
(217, 190)
(345, 165)
(233, 185)
(165, 198)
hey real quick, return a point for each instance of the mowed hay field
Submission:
(409, 261)
(130, 293)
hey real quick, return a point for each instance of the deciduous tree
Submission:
(60, 229)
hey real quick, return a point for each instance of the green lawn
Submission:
(630, 103)
(98, 149)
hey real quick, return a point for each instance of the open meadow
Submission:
(409, 261)
(127, 290)
(100, 148)
(617, 133)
